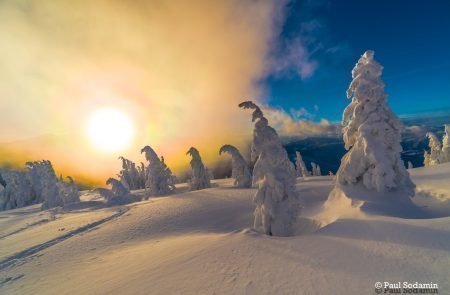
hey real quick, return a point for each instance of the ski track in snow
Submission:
(23, 255)
(39, 222)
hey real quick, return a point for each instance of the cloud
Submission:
(295, 58)
(301, 113)
(415, 129)
(178, 68)
(286, 125)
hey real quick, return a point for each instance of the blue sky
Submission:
(411, 39)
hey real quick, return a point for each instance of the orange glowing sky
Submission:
(177, 69)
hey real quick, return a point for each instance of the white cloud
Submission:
(287, 125)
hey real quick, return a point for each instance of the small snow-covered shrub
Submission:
(118, 194)
(200, 176)
(277, 202)
(240, 172)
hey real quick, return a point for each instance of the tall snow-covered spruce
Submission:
(200, 176)
(277, 202)
(240, 172)
(372, 134)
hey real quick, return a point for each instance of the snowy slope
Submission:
(200, 243)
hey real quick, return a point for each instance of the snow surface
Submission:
(199, 242)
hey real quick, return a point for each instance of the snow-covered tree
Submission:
(200, 176)
(131, 176)
(446, 144)
(172, 179)
(17, 190)
(277, 202)
(69, 191)
(240, 172)
(372, 134)
(435, 156)
(300, 166)
(50, 189)
(37, 184)
(118, 193)
(315, 169)
(158, 177)
(117, 187)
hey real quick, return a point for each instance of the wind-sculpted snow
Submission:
(240, 172)
(200, 176)
(300, 166)
(37, 184)
(159, 176)
(277, 202)
(372, 134)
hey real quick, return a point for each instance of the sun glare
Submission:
(110, 129)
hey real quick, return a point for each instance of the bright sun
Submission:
(110, 129)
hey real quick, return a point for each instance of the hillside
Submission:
(200, 243)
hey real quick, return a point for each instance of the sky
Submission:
(411, 39)
(178, 70)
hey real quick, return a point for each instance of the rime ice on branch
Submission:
(200, 176)
(372, 134)
(240, 172)
(277, 202)
(158, 175)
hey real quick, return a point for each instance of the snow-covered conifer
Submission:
(158, 178)
(50, 189)
(200, 176)
(239, 171)
(17, 190)
(315, 169)
(446, 144)
(277, 202)
(372, 134)
(130, 175)
(300, 166)
(69, 191)
(435, 156)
